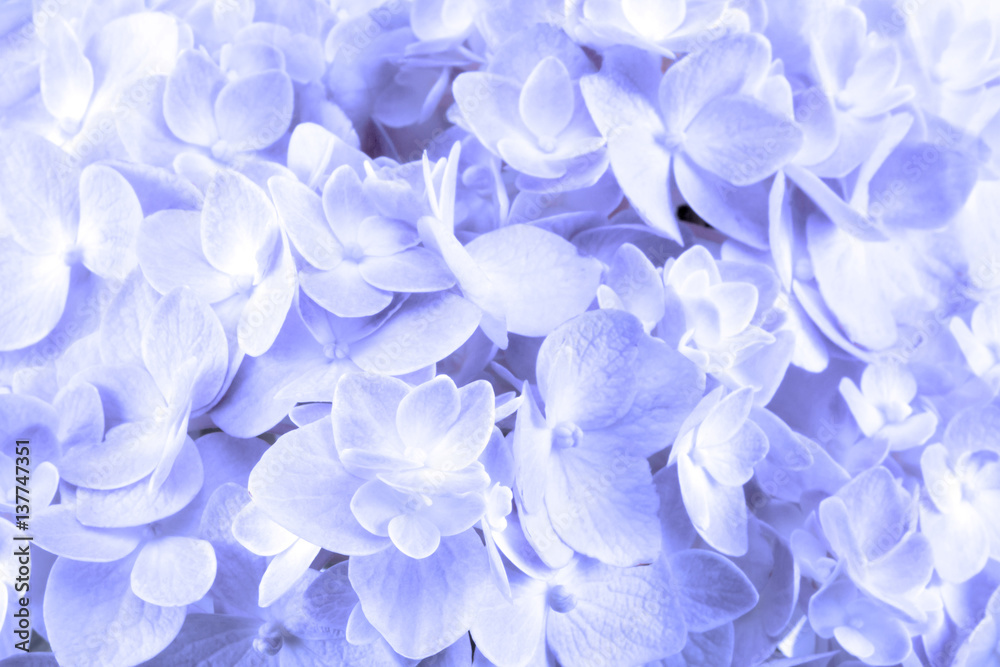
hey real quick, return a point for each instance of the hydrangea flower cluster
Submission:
(517, 333)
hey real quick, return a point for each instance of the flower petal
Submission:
(344, 291)
(170, 254)
(57, 530)
(364, 413)
(546, 99)
(445, 321)
(189, 98)
(585, 369)
(236, 221)
(285, 570)
(645, 182)
(34, 295)
(604, 505)
(468, 435)
(345, 204)
(412, 270)
(78, 615)
(718, 513)
(427, 412)
(66, 76)
(110, 216)
(712, 589)
(39, 188)
(179, 328)
(959, 541)
(741, 140)
(172, 571)
(727, 66)
(622, 616)
(267, 308)
(301, 485)
(254, 112)
(732, 463)
(414, 535)
(301, 212)
(423, 606)
(258, 533)
(137, 504)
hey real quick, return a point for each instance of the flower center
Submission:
(843, 100)
(416, 455)
(73, 254)
(242, 284)
(336, 351)
(560, 599)
(269, 640)
(354, 252)
(547, 144)
(69, 125)
(566, 435)
(671, 141)
(222, 151)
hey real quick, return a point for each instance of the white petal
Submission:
(542, 277)
(285, 570)
(585, 369)
(254, 112)
(719, 513)
(67, 78)
(258, 533)
(741, 140)
(726, 67)
(300, 485)
(265, 311)
(170, 254)
(412, 270)
(427, 412)
(713, 590)
(364, 413)
(604, 505)
(301, 212)
(343, 291)
(173, 571)
(189, 97)
(179, 328)
(622, 616)
(34, 295)
(414, 535)
(423, 606)
(446, 321)
(39, 192)
(236, 221)
(546, 100)
(958, 540)
(645, 182)
(654, 19)
(136, 504)
(57, 530)
(78, 615)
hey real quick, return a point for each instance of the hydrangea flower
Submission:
(715, 453)
(714, 322)
(232, 252)
(356, 258)
(960, 475)
(581, 467)
(697, 130)
(65, 222)
(530, 112)
(244, 106)
(424, 481)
